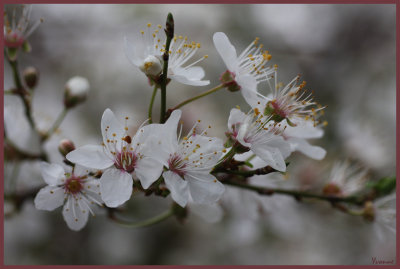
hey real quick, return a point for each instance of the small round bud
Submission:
(151, 66)
(66, 146)
(369, 211)
(76, 91)
(31, 76)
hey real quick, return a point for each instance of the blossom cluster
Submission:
(280, 120)
(273, 128)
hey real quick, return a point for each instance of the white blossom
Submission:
(345, 179)
(189, 162)
(146, 51)
(18, 27)
(120, 156)
(75, 190)
(248, 69)
(263, 137)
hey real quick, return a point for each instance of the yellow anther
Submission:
(180, 37)
(325, 123)
(224, 150)
(185, 138)
(149, 25)
(198, 45)
(142, 32)
(205, 56)
(159, 26)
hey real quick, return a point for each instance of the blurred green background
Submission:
(346, 53)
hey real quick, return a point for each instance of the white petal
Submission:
(115, 187)
(236, 117)
(91, 156)
(52, 173)
(80, 171)
(49, 198)
(178, 187)
(191, 76)
(114, 127)
(272, 156)
(304, 129)
(93, 191)
(148, 171)
(248, 89)
(226, 51)
(210, 213)
(314, 152)
(75, 213)
(204, 188)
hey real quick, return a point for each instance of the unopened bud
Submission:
(228, 80)
(151, 66)
(66, 146)
(31, 76)
(76, 91)
(369, 211)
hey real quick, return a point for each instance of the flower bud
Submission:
(31, 76)
(369, 211)
(151, 66)
(76, 91)
(66, 146)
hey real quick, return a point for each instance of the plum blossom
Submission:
(245, 71)
(146, 51)
(345, 179)
(18, 28)
(189, 162)
(262, 136)
(120, 156)
(75, 190)
(290, 102)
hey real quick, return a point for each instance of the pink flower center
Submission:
(13, 40)
(73, 185)
(177, 165)
(278, 110)
(126, 160)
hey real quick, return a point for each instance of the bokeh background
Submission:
(346, 53)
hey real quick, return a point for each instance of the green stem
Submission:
(153, 96)
(56, 124)
(221, 86)
(145, 223)
(295, 193)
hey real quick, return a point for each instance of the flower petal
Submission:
(75, 213)
(111, 128)
(91, 156)
(226, 51)
(314, 152)
(178, 187)
(49, 198)
(148, 171)
(304, 129)
(236, 117)
(248, 89)
(204, 188)
(190, 76)
(210, 213)
(52, 173)
(272, 156)
(115, 187)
